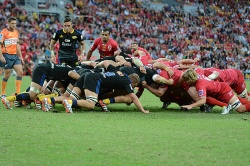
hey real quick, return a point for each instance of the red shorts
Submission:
(226, 93)
(239, 86)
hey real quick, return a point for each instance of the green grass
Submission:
(124, 136)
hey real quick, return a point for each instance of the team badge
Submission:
(74, 37)
(200, 93)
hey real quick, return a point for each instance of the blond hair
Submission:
(190, 75)
(134, 78)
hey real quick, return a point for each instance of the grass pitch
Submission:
(124, 136)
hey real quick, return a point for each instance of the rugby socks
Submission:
(42, 96)
(108, 101)
(213, 101)
(52, 99)
(19, 97)
(18, 84)
(11, 98)
(4, 84)
(74, 103)
(23, 96)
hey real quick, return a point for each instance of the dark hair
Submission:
(106, 30)
(67, 19)
(12, 19)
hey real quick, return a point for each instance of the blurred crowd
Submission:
(217, 32)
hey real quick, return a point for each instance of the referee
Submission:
(68, 38)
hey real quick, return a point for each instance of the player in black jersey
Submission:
(92, 83)
(41, 72)
(68, 38)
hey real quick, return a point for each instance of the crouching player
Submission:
(219, 90)
(92, 83)
(41, 72)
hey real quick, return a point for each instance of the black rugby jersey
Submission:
(56, 72)
(67, 42)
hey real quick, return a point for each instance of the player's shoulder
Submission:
(5, 30)
(59, 31)
(112, 41)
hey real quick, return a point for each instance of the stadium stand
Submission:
(216, 33)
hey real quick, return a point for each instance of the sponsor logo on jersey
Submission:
(67, 40)
(103, 47)
(66, 44)
(10, 41)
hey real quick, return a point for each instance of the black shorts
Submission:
(38, 75)
(80, 82)
(92, 82)
(67, 61)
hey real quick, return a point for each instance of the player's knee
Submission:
(34, 92)
(92, 101)
(128, 99)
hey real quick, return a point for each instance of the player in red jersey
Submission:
(106, 46)
(219, 90)
(141, 53)
(178, 81)
(233, 77)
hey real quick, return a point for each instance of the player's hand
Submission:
(144, 84)
(170, 72)
(187, 107)
(145, 111)
(81, 57)
(22, 61)
(170, 82)
(53, 57)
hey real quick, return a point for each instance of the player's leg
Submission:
(19, 71)
(5, 79)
